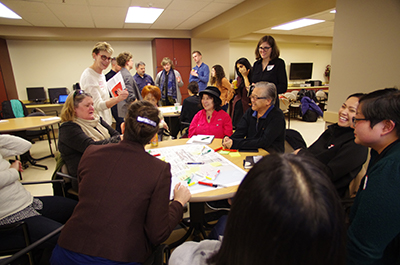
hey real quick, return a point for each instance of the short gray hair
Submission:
(268, 90)
(139, 63)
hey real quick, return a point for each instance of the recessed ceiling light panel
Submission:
(298, 24)
(145, 15)
(8, 13)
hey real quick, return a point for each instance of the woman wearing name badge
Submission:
(219, 80)
(81, 127)
(94, 82)
(336, 149)
(211, 120)
(268, 66)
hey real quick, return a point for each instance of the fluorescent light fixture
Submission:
(8, 13)
(298, 24)
(333, 11)
(145, 15)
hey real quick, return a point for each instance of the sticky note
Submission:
(224, 152)
(216, 164)
(234, 154)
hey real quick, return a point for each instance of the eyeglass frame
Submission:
(354, 120)
(103, 57)
(257, 97)
(264, 48)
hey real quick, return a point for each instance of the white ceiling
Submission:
(110, 14)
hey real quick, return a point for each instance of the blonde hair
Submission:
(72, 102)
(167, 60)
(102, 46)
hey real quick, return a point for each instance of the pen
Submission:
(194, 163)
(205, 138)
(208, 151)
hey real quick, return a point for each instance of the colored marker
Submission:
(156, 155)
(208, 151)
(205, 138)
(191, 184)
(219, 148)
(194, 163)
(207, 184)
(216, 175)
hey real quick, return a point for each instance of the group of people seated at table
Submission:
(284, 201)
(287, 209)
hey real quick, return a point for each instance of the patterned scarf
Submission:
(171, 84)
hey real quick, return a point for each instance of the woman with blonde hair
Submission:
(81, 127)
(94, 82)
(169, 83)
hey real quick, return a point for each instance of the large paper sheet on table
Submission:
(180, 156)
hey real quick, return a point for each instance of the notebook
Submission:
(62, 99)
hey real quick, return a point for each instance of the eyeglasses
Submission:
(355, 120)
(78, 92)
(253, 97)
(264, 48)
(103, 57)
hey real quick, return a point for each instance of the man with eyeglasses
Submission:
(263, 125)
(374, 232)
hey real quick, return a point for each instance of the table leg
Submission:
(196, 223)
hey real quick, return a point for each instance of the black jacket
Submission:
(343, 158)
(267, 133)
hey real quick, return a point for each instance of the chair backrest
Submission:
(290, 96)
(284, 104)
(11, 109)
(355, 183)
(321, 95)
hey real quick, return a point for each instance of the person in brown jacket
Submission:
(124, 208)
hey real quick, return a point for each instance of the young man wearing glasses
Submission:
(262, 126)
(374, 232)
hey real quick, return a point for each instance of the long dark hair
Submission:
(248, 66)
(219, 74)
(286, 211)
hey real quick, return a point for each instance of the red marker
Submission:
(207, 184)
(216, 150)
(156, 155)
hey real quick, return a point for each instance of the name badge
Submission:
(270, 67)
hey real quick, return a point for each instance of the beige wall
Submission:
(214, 52)
(61, 63)
(365, 53)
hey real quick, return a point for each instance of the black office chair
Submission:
(160, 256)
(20, 229)
(184, 130)
(9, 112)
